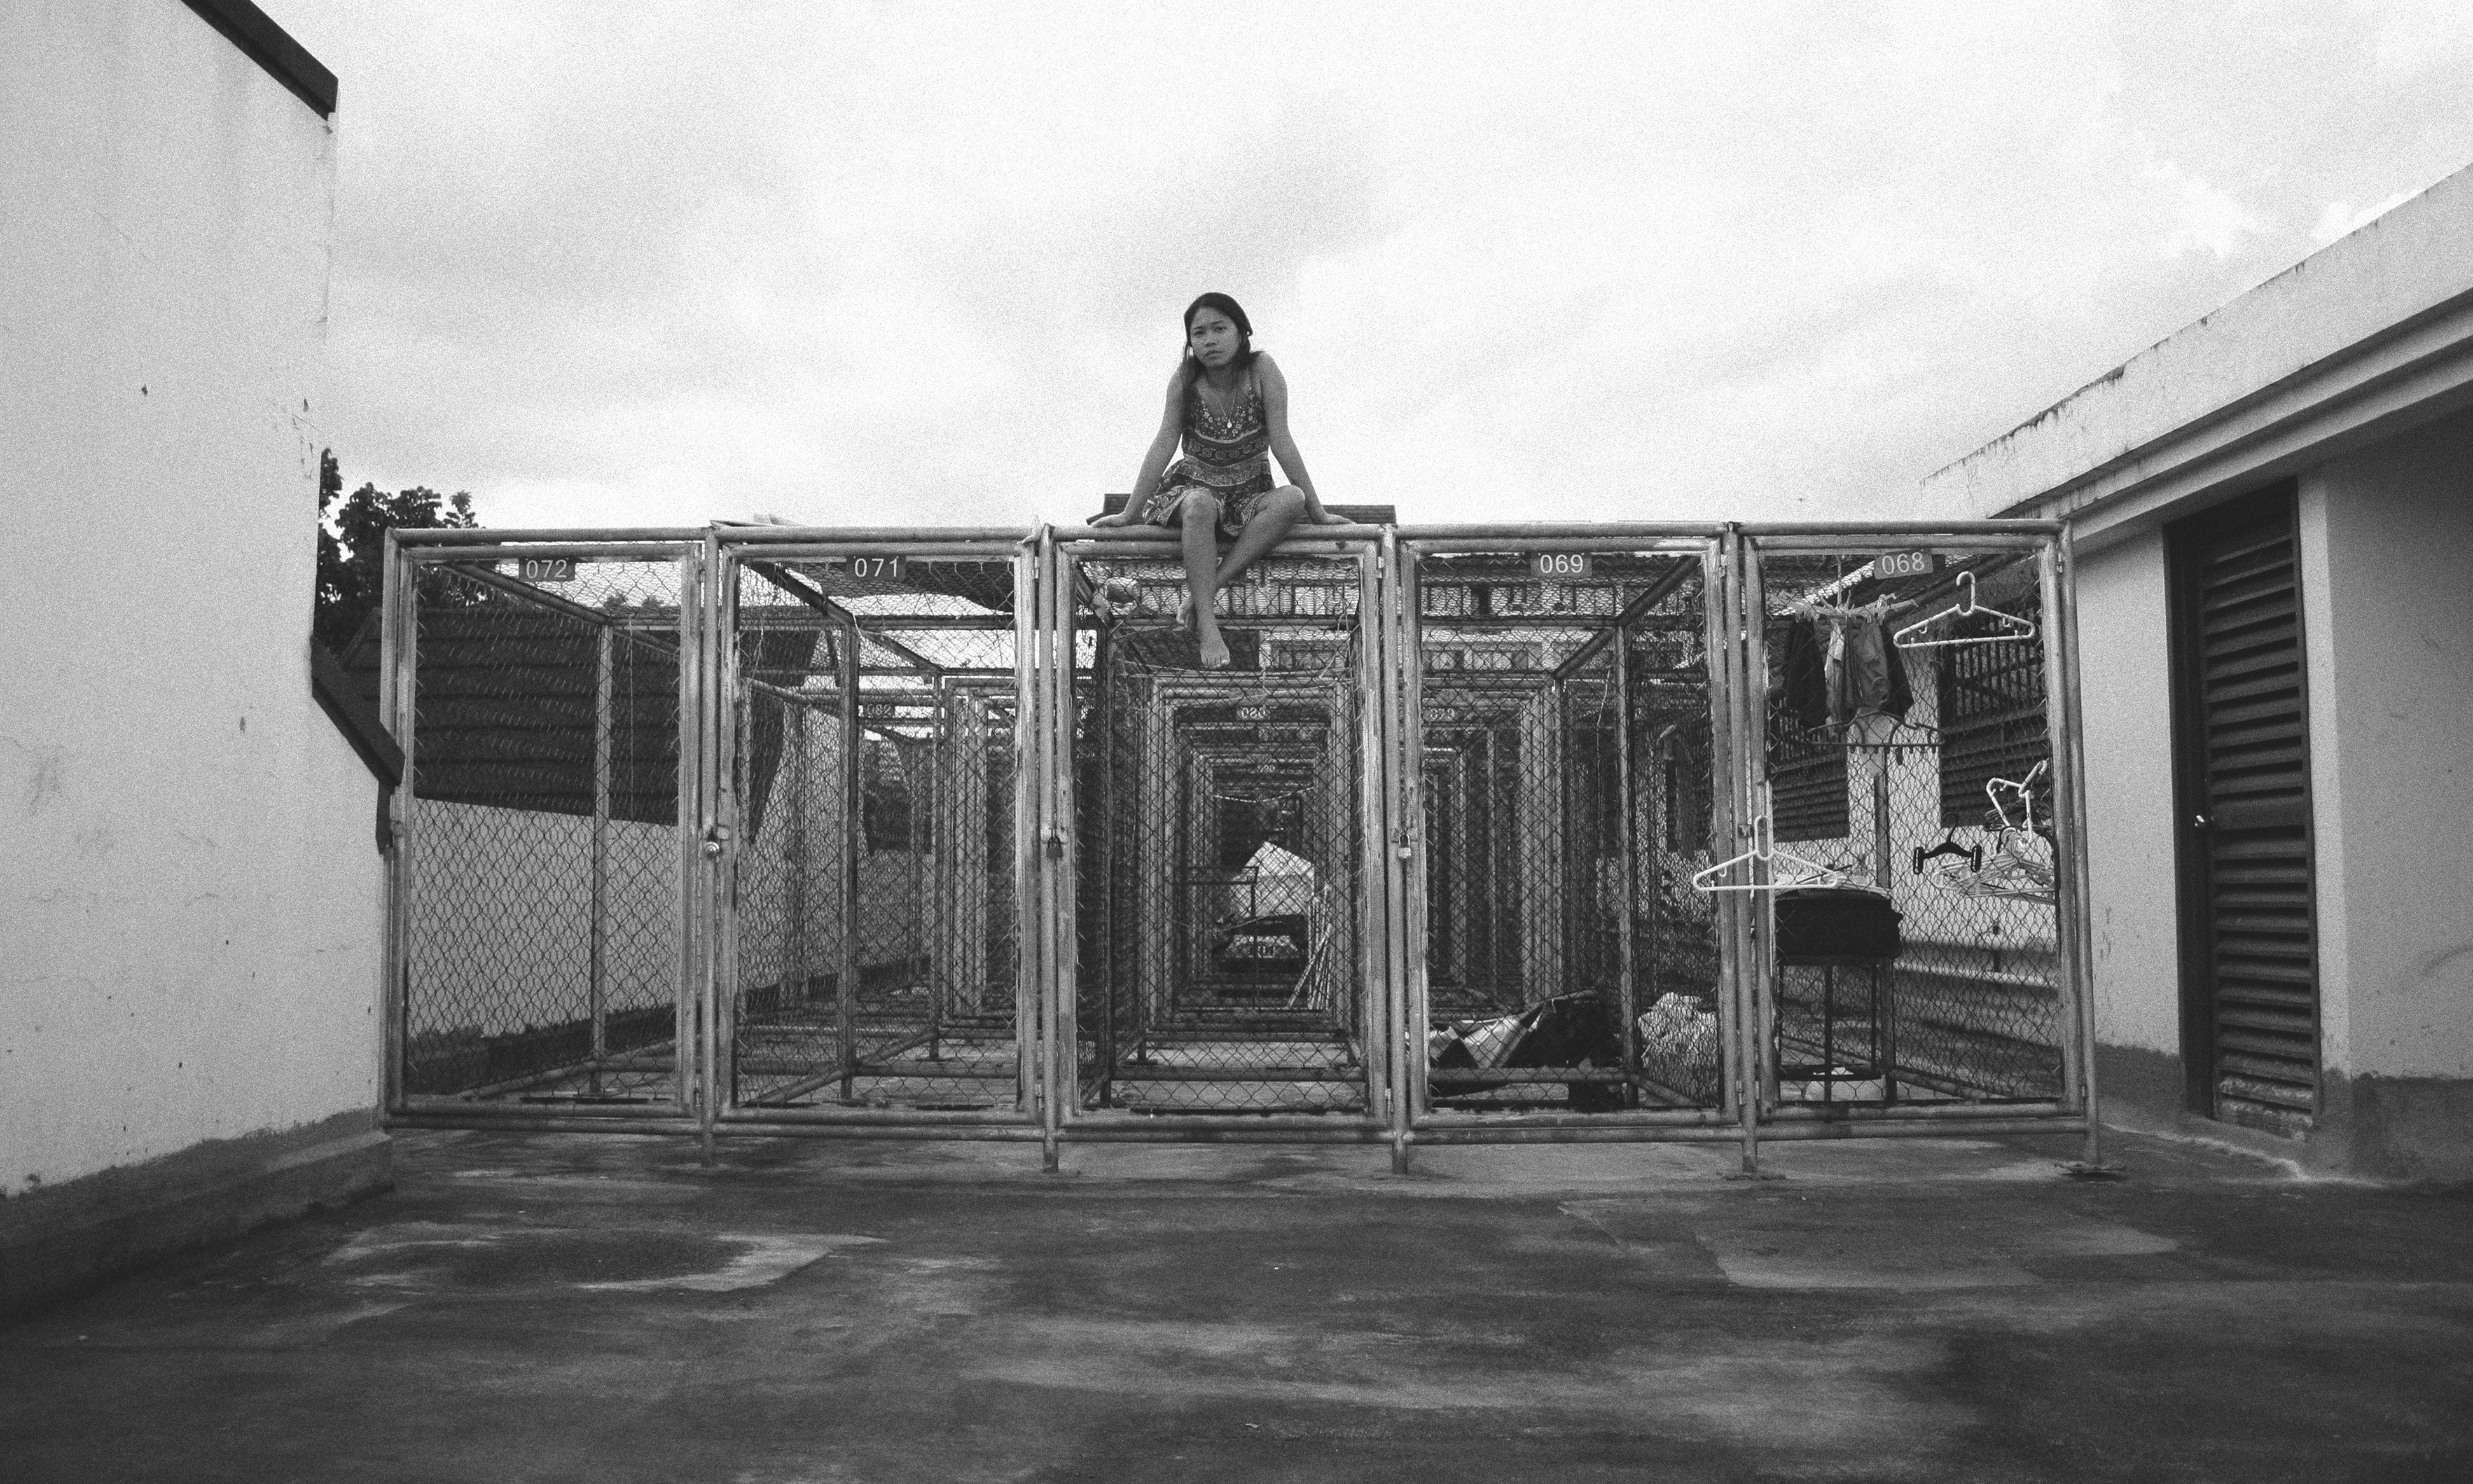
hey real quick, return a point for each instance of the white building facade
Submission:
(2272, 513)
(189, 883)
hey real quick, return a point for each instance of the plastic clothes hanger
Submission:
(2023, 789)
(2020, 871)
(1972, 855)
(1765, 851)
(2020, 866)
(2008, 627)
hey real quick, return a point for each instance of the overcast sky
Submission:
(627, 263)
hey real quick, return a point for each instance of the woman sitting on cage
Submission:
(1230, 405)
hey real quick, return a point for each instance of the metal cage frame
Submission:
(1063, 703)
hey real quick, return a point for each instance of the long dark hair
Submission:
(1236, 313)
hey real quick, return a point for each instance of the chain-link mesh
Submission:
(873, 770)
(1566, 792)
(1565, 785)
(541, 866)
(1909, 755)
(1220, 815)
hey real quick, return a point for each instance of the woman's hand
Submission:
(1315, 515)
(1122, 517)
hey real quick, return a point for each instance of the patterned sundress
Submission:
(1228, 456)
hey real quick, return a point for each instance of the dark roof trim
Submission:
(267, 45)
(353, 716)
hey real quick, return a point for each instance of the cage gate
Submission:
(1227, 847)
(1485, 835)
(540, 952)
(869, 963)
(1920, 961)
(1563, 756)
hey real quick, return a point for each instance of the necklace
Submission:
(1224, 409)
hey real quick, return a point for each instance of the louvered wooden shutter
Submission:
(2247, 790)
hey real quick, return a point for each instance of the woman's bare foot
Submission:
(1214, 649)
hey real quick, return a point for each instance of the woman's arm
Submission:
(1154, 462)
(1275, 418)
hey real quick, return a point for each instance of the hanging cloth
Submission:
(1866, 675)
(1805, 677)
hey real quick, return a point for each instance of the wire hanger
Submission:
(2007, 628)
(1765, 851)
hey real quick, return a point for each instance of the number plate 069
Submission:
(1566, 565)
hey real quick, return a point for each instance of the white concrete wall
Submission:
(500, 917)
(2126, 695)
(189, 890)
(2392, 714)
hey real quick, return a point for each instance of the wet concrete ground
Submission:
(573, 1308)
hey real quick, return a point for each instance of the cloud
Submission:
(2206, 219)
(922, 263)
(2341, 219)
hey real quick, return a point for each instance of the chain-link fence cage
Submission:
(1220, 818)
(873, 956)
(1243, 938)
(1914, 945)
(1565, 789)
(540, 887)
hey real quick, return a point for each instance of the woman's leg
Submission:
(1269, 520)
(1200, 514)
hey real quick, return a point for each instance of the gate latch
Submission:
(1055, 842)
(714, 838)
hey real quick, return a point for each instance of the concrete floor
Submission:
(574, 1309)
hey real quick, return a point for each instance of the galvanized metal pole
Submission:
(1741, 805)
(706, 841)
(943, 897)
(1390, 640)
(790, 790)
(854, 858)
(398, 657)
(1026, 582)
(1106, 725)
(599, 969)
(1057, 1041)
(2073, 921)
(1408, 647)
(1626, 883)
(1758, 907)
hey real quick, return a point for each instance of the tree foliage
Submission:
(351, 543)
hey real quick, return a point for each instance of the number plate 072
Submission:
(1565, 564)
